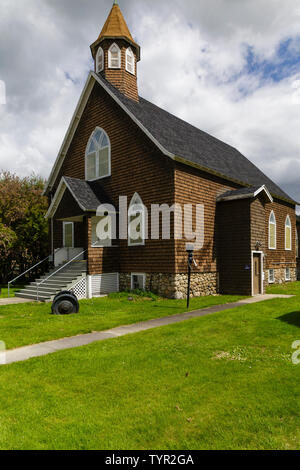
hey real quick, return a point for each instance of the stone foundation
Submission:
(174, 286)
(279, 274)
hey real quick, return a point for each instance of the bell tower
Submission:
(116, 54)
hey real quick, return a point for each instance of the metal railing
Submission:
(57, 271)
(25, 272)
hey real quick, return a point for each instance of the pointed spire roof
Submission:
(115, 27)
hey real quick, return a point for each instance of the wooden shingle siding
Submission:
(125, 81)
(68, 207)
(137, 166)
(195, 187)
(280, 256)
(234, 254)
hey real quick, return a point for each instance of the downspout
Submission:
(52, 235)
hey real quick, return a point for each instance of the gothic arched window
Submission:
(272, 231)
(130, 65)
(97, 156)
(114, 57)
(99, 60)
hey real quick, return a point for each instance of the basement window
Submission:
(271, 276)
(287, 274)
(138, 281)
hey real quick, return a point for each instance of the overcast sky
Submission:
(230, 67)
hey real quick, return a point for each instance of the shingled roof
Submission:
(244, 193)
(115, 27)
(193, 145)
(88, 194)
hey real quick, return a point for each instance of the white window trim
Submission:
(291, 237)
(129, 51)
(272, 223)
(138, 274)
(109, 57)
(287, 278)
(273, 281)
(99, 244)
(64, 231)
(100, 51)
(132, 202)
(297, 243)
(97, 157)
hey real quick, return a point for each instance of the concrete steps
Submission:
(61, 278)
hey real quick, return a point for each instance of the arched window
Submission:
(97, 155)
(130, 65)
(137, 219)
(99, 60)
(114, 57)
(288, 233)
(272, 231)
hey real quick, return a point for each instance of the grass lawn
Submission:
(13, 289)
(24, 324)
(224, 381)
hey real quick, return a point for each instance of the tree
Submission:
(23, 227)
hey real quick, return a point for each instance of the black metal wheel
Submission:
(65, 303)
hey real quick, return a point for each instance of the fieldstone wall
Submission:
(174, 286)
(279, 274)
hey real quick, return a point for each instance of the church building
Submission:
(120, 144)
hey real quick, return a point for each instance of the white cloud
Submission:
(193, 64)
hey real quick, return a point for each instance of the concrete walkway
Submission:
(14, 300)
(42, 349)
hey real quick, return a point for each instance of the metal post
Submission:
(8, 290)
(189, 284)
(190, 251)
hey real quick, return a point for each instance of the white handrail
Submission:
(25, 272)
(57, 271)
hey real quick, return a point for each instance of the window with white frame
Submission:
(136, 222)
(138, 281)
(114, 57)
(96, 240)
(99, 60)
(288, 233)
(68, 234)
(297, 244)
(271, 276)
(272, 231)
(97, 156)
(130, 63)
(287, 274)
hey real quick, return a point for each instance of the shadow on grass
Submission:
(292, 318)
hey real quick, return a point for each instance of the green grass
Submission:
(13, 290)
(30, 323)
(225, 381)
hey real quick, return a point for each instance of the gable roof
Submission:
(88, 195)
(180, 141)
(244, 193)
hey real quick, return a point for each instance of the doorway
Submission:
(257, 273)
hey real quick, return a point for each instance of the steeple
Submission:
(116, 54)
